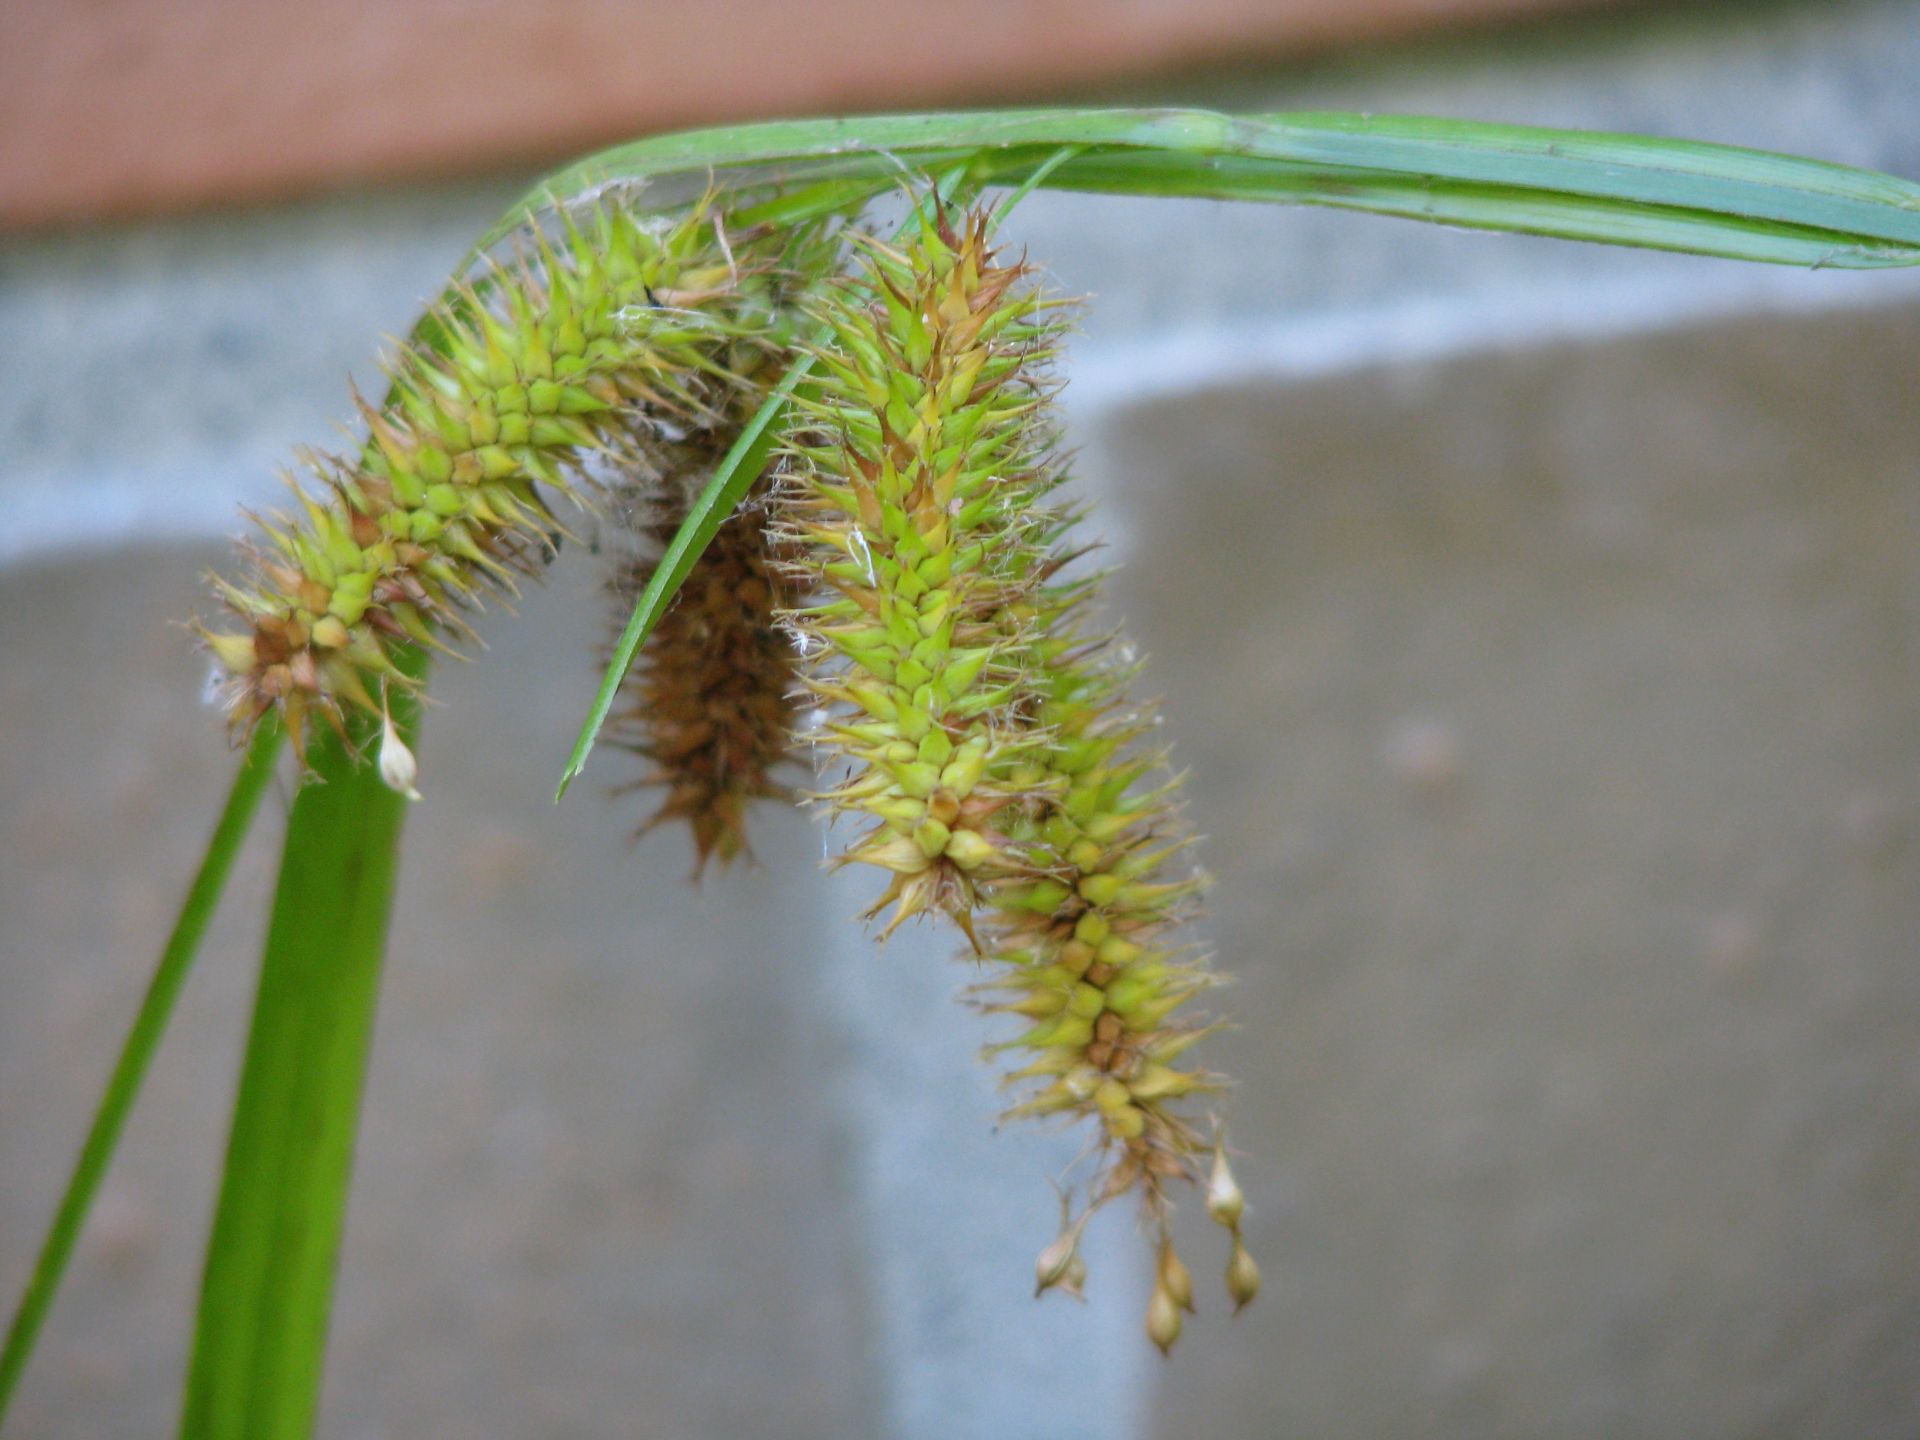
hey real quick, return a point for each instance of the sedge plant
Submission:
(835, 444)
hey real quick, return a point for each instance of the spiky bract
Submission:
(710, 703)
(988, 737)
(585, 345)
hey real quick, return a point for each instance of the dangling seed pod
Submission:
(989, 739)
(1059, 1266)
(710, 703)
(1225, 1206)
(571, 352)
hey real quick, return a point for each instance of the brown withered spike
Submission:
(709, 702)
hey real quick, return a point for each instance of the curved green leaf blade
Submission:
(1620, 189)
(136, 1054)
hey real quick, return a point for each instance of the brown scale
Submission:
(710, 702)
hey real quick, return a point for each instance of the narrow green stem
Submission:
(266, 1296)
(136, 1054)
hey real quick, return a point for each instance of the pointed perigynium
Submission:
(1002, 773)
(582, 348)
(710, 705)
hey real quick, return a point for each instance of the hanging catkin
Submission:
(997, 767)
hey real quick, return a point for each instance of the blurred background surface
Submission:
(1537, 622)
(115, 107)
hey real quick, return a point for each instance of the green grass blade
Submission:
(265, 1297)
(1620, 189)
(136, 1054)
(1554, 215)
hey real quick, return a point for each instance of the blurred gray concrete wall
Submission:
(1537, 622)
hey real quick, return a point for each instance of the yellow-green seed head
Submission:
(990, 746)
(907, 488)
(581, 348)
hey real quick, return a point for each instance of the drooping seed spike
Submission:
(998, 770)
(518, 391)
